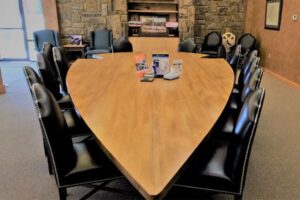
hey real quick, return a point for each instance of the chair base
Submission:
(95, 189)
(238, 197)
(62, 193)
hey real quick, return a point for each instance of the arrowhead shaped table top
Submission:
(149, 129)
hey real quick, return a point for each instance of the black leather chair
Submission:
(251, 70)
(51, 82)
(75, 124)
(229, 116)
(42, 36)
(234, 59)
(248, 43)
(122, 44)
(31, 76)
(74, 163)
(48, 54)
(236, 100)
(187, 45)
(62, 66)
(221, 165)
(243, 76)
(249, 58)
(213, 46)
(101, 41)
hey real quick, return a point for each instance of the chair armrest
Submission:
(222, 52)
(199, 48)
(89, 48)
(219, 50)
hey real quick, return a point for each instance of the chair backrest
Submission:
(212, 41)
(48, 54)
(122, 44)
(238, 50)
(244, 132)
(61, 65)
(54, 128)
(48, 75)
(245, 68)
(187, 45)
(248, 42)
(250, 71)
(253, 83)
(31, 76)
(249, 59)
(42, 36)
(233, 61)
(101, 39)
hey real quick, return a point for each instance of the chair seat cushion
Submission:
(211, 171)
(76, 126)
(229, 123)
(234, 101)
(92, 164)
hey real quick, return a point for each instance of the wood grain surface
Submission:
(149, 129)
(154, 44)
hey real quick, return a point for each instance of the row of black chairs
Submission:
(213, 46)
(74, 161)
(73, 156)
(53, 65)
(220, 164)
(101, 41)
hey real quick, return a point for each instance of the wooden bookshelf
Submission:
(152, 11)
(156, 11)
(155, 2)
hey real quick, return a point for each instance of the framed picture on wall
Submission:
(273, 14)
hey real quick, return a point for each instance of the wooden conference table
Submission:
(149, 129)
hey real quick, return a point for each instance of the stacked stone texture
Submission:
(219, 15)
(83, 16)
(196, 17)
(186, 19)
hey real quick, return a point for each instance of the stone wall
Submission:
(83, 16)
(196, 17)
(118, 21)
(219, 15)
(186, 19)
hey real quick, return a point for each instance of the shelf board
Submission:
(154, 2)
(155, 35)
(153, 11)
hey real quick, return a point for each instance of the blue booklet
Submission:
(160, 64)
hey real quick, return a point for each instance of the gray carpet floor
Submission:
(274, 167)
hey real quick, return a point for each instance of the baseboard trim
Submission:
(283, 79)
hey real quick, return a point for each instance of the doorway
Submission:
(19, 19)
